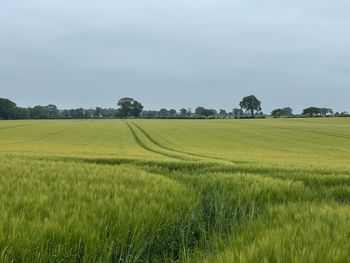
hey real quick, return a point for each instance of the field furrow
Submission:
(189, 154)
(155, 147)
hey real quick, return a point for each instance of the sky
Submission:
(176, 53)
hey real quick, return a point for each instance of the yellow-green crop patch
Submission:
(175, 190)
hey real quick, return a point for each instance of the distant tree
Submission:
(136, 109)
(237, 112)
(277, 113)
(90, 113)
(326, 111)
(106, 113)
(52, 111)
(22, 113)
(79, 113)
(7, 109)
(118, 113)
(222, 113)
(282, 112)
(183, 112)
(172, 112)
(287, 111)
(39, 112)
(129, 107)
(72, 113)
(113, 113)
(212, 112)
(150, 114)
(163, 112)
(126, 105)
(251, 104)
(311, 111)
(65, 114)
(99, 112)
(200, 111)
(189, 112)
(206, 112)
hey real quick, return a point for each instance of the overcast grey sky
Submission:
(176, 53)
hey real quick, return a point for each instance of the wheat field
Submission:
(273, 190)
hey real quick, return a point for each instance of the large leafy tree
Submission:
(311, 111)
(7, 109)
(251, 104)
(200, 111)
(172, 112)
(183, 112)
(136, 109)
(277, 113)
(209, 112)
(287, 111)
(52, 111)
(125, 106)
(129, 107)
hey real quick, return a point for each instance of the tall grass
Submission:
(51, 211)
(299, 232)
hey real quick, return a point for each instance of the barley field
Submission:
(269, 190)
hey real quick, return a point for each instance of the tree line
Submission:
(249, 107)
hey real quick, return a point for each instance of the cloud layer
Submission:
(172, 53)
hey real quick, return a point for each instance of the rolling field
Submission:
(273, 190)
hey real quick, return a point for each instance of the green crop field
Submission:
(269, 190)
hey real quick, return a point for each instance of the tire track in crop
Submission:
(190, 155)
(147, 148)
